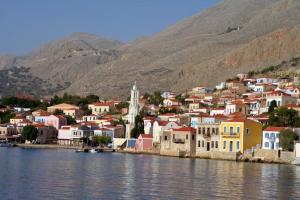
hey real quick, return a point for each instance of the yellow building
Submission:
(237, 135)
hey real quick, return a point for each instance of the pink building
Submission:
(144, 142)
(56, 121)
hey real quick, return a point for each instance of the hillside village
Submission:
(244, 118)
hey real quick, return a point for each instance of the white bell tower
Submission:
(133, 109)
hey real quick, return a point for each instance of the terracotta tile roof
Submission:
(185, 129)
(150, 136)
(103, 104)
(275, 129)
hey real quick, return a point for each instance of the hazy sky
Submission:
(27, 24)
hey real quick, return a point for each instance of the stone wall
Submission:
(219, 155)
(267, 155)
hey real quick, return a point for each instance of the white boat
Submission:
(92, 151)
(79, 150)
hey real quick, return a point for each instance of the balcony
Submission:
(179, 141)
(233, 135)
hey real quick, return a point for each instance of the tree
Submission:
(156, 98)
(6, 116)
(70, 120)
(139, 124)
(30, 133)
(284, 117)
(286, 139)
(121, 105)
(181, 98)
(97, 140)
(272, 106)
(92, 98)
(58, 112)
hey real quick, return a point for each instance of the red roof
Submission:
(103, 104)
(185, 129)
(65, 128)
(39, 125)
(162, 123)
(146, 136)
(275, 129)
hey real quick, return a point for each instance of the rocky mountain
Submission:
(232, 37)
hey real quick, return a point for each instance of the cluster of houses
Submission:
(227, 118)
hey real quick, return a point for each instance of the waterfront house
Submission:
(148, 127)
(74, 135)
(239, 134)
(144, 142)
(271, 137)
(159, 126)
(178, 142)
(8, 130)
(56, 121)
(208, 137)
(46, 134)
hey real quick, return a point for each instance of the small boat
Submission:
(6, 144)
(92, 151)
(78, 150)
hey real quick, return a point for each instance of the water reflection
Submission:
(63, 174)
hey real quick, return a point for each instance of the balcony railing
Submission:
(234, 134)
(179, 141)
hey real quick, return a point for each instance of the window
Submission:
(213, 130)
(202, 143)
(272, 135)
(212, 144)
(238, 145)
(173, 137)
(203, 130)
(224, 145)
(248, 131)
(187, 136)
(208, 130)
(199, 143)
(166, 137)
(217, 131)
(199, 131)
(267, 144)
(231, 130)
(193, 137)
(238, 129)
(266, 135)
(277, 135)
(217, 144)
(224, 129)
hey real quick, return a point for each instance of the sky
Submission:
(28, 24)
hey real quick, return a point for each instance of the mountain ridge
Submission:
(232, 37)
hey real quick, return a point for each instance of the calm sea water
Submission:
(36, 174)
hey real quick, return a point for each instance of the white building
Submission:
(271, 138)
(133, 109)
(281, 98)
(159, 126)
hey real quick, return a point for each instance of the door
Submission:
(208, 146)
(272, 145)
(230, 146)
